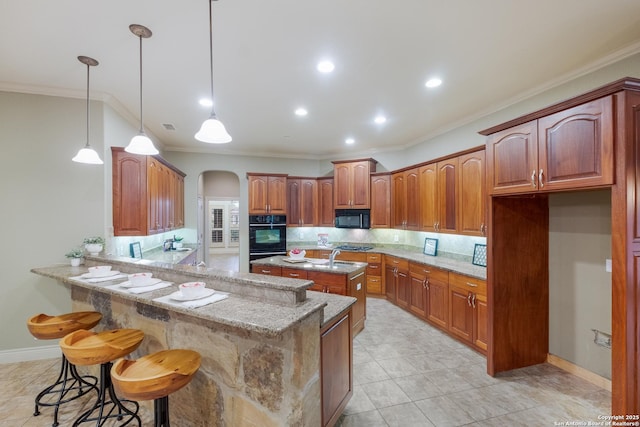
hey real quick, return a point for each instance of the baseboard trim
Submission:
(27, 354)
(578, 371)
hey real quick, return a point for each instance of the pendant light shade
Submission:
(141, 144)
(87, 154)
(212, 130)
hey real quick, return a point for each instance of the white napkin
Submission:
(99, 279)
(139, 289)
(218, 296)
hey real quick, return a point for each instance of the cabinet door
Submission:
(154, 191)
(336, 369)
(357, 289)
(165, 199)
(447, 203)
(390, 282)
(471, 194)
(576, 147)
(480, 337)
(179, 201)
(412, 199)
(258, 189)
(428, 185)
(398, 195)
(326, 214)
(512, 160)
(418, 294)
(308, 202)
(342, 183)
(381, 201)
(361, 192)
(438, 302)
(460, 313)
(293, 202)
(403, 288)
(129, 194)
(277, 195)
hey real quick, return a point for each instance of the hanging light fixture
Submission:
(212, 130)
(141, 144)
(88, 154)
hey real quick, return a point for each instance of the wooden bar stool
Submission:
(45, 327)
(155, 377)
(90, 348)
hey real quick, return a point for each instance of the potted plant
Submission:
(75, 256)
(93, 245)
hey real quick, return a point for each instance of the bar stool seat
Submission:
(90, 348)
(45, 327)
(155, 377)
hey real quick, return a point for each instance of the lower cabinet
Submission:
(397, 274)
(374, 274)
(468, 309)
(429, 293)
(336, 368)
(268, 270)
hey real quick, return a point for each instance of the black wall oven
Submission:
(267, 236)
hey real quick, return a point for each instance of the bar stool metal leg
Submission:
(68, 380)
(106, 405)
(161, 412)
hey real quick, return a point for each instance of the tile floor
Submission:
(406, 373)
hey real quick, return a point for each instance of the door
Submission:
(471, 194)
(380, 201)
(429, 206)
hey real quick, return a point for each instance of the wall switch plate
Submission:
(607, 265)
(358, 286)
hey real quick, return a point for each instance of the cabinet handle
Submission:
(473, 285)
(395, 271)
(294, 275)
(426, 271)
(425, 283)
(533, 179)
(473, 301)
(265, 271)
(483, 229)
(540, 179)
(469, 299)
(438, 226)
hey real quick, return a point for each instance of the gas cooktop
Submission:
(354, 248)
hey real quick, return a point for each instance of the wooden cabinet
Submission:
(405, 212)
(357, 288)
(336, 368)
(468, 309)
(269, 270)
(381, 201)
(438, 204)
(352, 183)
(302, 202)
(267, 194)
(570, 149)
(294, 273)
(397, 280)
(326, 213)
(471, 194)
(429, 293)
(148, 194)
(374, 274)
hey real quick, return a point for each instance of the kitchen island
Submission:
(261, 347)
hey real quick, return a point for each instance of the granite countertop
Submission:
(313, 264)
(252, 307)
(442, 262)
(170, 257)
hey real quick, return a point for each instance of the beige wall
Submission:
(579, 286)
(220, 184)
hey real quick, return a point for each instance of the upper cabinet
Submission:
(566, 150)
(471, 194)
(351, 183)
(381, 201)
(302, 202)
(405, 211)
(438, 201)
(267, 193)
(148, 194)
(326, 213)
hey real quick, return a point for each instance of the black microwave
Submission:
(353, 218)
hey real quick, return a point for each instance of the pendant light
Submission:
(212, 130)
(87, 154)
(141, 144)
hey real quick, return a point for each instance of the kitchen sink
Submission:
(354, 248)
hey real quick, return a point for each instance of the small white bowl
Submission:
(299, 255)
(192, 289)
(139, 278)
(100, 270)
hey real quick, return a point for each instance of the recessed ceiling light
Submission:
(205, 102)
(326, 66)
(380, 119)
(349, 141)
(434, 82)
(301, 112)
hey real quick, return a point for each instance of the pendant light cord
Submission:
(88, 105)
(213, 113)
(141, 127)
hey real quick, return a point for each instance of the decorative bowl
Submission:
(139, 279)
(192, 289)
(100, 270)
(297, 255)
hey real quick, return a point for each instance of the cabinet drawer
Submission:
(431, 272)
(352, 256)
(294, 273)
(374, 269)
(402, 264)
(374, 285)
(477, 286)
(265, 269)
(374, 258)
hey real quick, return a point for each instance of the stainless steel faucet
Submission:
(333, 255)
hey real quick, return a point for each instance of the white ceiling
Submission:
(489, 53)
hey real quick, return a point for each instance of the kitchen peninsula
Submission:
(263, 347)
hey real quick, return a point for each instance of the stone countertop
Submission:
(444, 263)
(245, 308)
(170, 257)
(313, 264)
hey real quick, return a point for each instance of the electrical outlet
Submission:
(607, 265)
(396, 238)
(300, 235)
